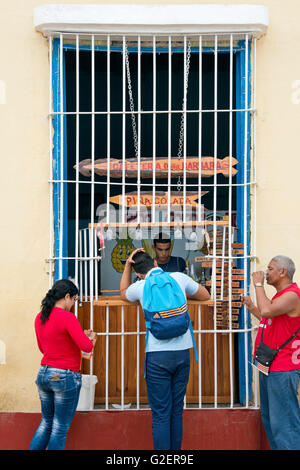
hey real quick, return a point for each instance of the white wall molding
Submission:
(151, 19)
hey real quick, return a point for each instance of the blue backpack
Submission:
(165, 307)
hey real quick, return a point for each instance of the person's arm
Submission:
(247, 301)
(125, 280)
(286, 303)
(91, 335)
(77, 334)
(193, 290)
(126, 276)
(267, 308)
(201, 294)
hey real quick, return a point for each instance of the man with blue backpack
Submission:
(169, 336)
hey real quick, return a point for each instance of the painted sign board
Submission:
(146, 166)
(160, 200)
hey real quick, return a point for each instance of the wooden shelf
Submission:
(191, 223)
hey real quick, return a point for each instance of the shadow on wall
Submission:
(2, 352)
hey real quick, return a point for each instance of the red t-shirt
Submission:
(278, 330)
(61, 340)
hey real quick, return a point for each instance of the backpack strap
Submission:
(147, 336)
(193, 339)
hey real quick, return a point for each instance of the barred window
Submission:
(155, 134)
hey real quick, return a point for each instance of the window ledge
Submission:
(151, 19)
(115, 300)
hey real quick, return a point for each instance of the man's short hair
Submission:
(142, 262)
(284, 262)
(161, 238)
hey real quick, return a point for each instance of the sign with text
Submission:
(146, 167)
(160, 199)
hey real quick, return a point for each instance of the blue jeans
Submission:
(167, 376)
(59, 394)
(280, 412)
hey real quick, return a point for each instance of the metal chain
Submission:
(186, 80)
(135, 136)
(181, 133)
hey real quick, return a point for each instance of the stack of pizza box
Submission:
(222, 280)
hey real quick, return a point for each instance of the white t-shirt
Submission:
(134, 293)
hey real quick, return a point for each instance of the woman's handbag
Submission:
(264, 355)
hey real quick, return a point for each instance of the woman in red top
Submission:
(60, 339)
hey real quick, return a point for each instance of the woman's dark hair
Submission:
(59, 290)
(142, 262)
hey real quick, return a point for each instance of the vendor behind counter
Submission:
(168, 263)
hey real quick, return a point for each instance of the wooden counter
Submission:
(115, 300)
(111, 320)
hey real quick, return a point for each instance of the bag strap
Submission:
(292, 337)
(284, 344)
(262, 333)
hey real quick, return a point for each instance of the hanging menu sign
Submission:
(146, 168)
(161, 199)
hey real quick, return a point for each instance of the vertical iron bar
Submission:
(80, 267)
(200, 356)
(85, 264)
(200, 132)
(138, 358)
(254, 195)
(214, 215)
(139, 135)
(77, 169)
(154, 132)
(51, 221)
(123, 132)
(122, 357)
(169, 125)
(61, 217)
(184, 129)
(246, 216)
(230, 237)
(106, 356)
(108, 131)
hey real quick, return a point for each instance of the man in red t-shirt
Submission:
(279, 321)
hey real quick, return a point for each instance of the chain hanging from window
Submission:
(184, 103)
(183, 115)
(131, 104)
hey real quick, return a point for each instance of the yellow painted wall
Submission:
(24, 93)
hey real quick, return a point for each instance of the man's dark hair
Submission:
(161, 238)
(142, 262)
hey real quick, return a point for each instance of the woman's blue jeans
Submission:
(279, 406)
(167, 376)
(59, 394)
